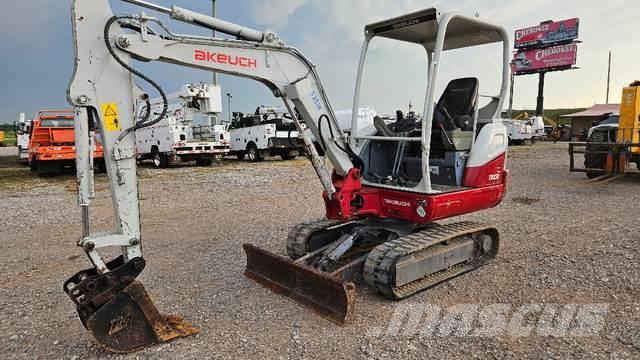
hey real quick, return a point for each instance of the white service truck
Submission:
(175, 138)
(521, 131)
(537, 127)
(23, 134)
(267, 132)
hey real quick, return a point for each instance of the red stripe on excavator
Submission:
(423, 208)
(487, 174)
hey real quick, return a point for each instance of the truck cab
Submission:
(22, 128)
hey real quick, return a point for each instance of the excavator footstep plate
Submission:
(328, 296)
(130, 322)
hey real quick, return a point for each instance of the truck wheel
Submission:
(286, 155)
(204, 162)
(253, 154)
(33, 165)
(595, 161)
(100, 166)
(160, 160)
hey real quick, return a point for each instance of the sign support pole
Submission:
(609, 77)
(540, 104)
(513, 79)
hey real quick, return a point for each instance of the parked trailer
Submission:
(175, 138)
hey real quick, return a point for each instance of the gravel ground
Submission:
(563, 242)
(8, 151)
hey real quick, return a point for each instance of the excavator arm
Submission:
(111, 303)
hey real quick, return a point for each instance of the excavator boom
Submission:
(112, 304)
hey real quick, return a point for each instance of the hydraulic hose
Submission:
(165, 103)
(357, 161)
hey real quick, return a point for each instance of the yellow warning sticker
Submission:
(111, 117)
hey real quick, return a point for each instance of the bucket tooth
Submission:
(326, 295)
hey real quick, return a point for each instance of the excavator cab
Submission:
(433, 155)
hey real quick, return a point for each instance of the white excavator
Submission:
(383, 192)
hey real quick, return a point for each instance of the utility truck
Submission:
(521, 131)
(269, 131)
(52, 143)
(175, 138)
(22, 128)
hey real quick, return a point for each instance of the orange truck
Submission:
(52, 143)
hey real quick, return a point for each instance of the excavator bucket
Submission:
(117, 310)
(326, 295)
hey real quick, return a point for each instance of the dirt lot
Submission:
(563, 242)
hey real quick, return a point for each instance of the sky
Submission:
(37, 55)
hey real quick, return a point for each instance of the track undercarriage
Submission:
(397, 258)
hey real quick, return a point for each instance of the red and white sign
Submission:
(537, 60)
(547, 34)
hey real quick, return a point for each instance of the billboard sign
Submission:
(549, 33)
(558, 57)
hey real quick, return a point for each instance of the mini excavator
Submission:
(383, 193)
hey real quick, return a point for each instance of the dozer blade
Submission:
(117, 310)
(327, 296)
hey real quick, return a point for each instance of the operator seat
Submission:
(453, 115)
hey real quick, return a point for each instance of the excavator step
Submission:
(413, 263)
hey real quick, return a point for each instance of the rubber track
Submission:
(379, 269)
(298, 237)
